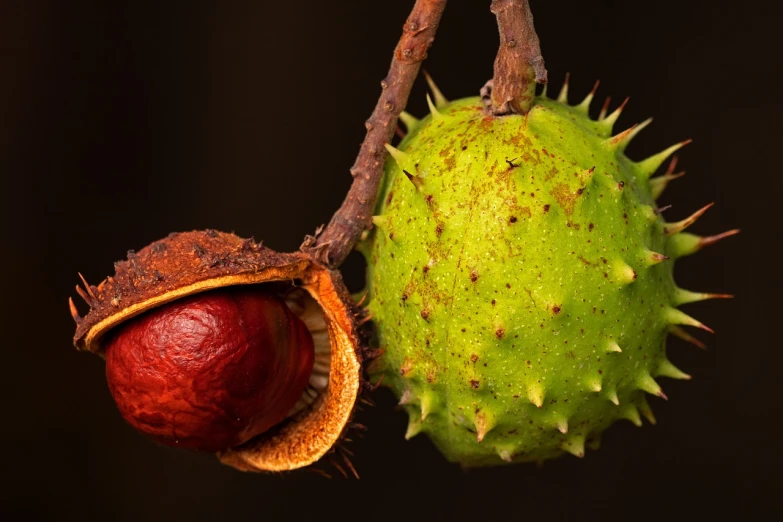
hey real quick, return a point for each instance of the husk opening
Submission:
(192, 262)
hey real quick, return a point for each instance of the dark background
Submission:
(121, 121)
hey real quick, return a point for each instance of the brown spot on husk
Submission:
(565, 198)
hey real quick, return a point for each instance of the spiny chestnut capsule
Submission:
(210, 340)
(211, 371)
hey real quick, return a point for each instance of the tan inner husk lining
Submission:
(311, 314)
(310, 435)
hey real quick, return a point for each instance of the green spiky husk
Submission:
(511, 259)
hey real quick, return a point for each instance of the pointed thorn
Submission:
(676, 316)
(632, 414)
(685, 244)
(659, 184)
(408, 120)
(667, 369)
(505, 455)
(604, 108)
(536, 395)
(614, 347)
(87, 286)
(661, 210)
(647, 167)
(575, 446)
(679, 226)
(84, 295)
(682, 296)
(646, 383)
(484, 425)
(624, 274)
(319, 472)
(406, 398)
(612, 396)
(610, 120)
(635, 130)
(587, 175)
(595, 386)
(562, 426)
(656, 257)
(711, 240)
(401, 158)
(336, 464)
(74, 312)
(672, 165)
(585, 105)
(380, 221)
(644, 407)
(440, 100)
(413, 179)
(685, 336)
(433, 109)
(563, 96)
(414, 428)
(349, 464)
(616, 142)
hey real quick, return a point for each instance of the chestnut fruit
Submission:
(217, 343)
(210, 371)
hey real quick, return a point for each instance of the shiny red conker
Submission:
(211, 370)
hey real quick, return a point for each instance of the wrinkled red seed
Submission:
(212, 370)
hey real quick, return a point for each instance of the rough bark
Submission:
(519, 64)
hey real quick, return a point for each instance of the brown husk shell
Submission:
(191, 262)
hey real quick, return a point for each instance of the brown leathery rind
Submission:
(178, 265)
(191, 262)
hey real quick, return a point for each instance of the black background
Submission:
(121, 121)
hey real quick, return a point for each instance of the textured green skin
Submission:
(515, 299)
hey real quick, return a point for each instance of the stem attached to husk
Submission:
(333, 245)
(519, 64)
